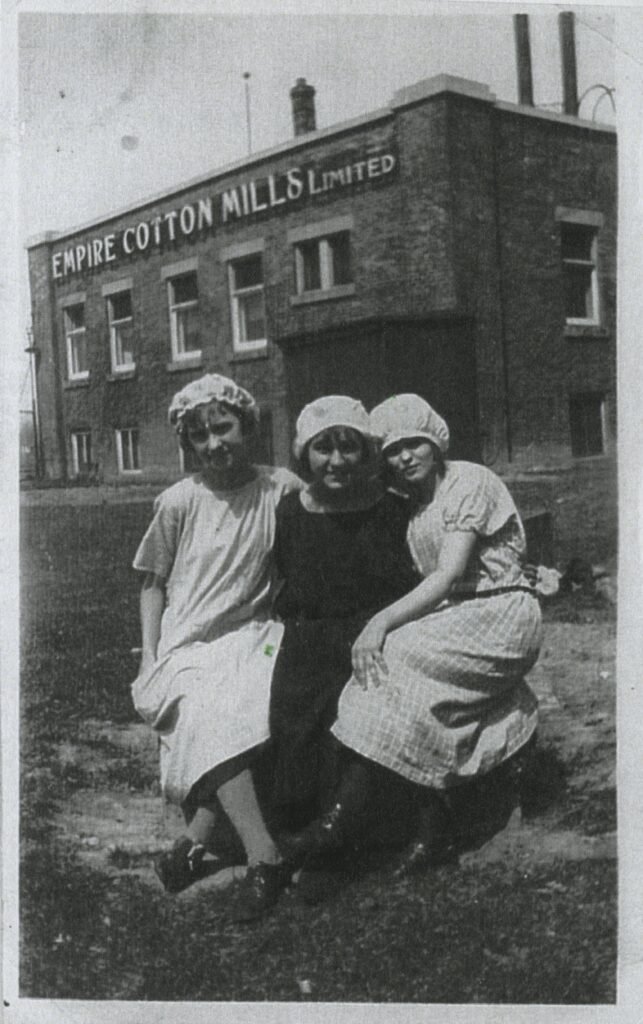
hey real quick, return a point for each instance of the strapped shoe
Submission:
(260, 889)
(181, 865)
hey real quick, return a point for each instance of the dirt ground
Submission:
(116, 830)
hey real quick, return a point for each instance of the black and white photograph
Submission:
(325, 562)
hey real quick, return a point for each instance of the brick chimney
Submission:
(303, 107)
(523, 60)
(568, 62)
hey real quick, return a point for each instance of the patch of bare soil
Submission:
(569, 813)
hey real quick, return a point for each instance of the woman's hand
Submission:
(369, 665)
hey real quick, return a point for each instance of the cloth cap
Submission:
(210, 388)
(327, 412)
(404, 416)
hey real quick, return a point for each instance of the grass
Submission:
(489, 933)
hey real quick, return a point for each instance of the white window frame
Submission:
(84, 436)
(326, 279)
(109, 292)
(231, 255)
(320, 233)
(170, 274)
(124, 441)
(593, 220)
(71, 336)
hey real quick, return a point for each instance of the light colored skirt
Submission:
(209, 702)
(454, 704)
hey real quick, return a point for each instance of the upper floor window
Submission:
(81, 452)
(247, 303)
(184, 316)
(323, 263)
(120, 319)
(76, 342)
(127, 450)
(579, 234)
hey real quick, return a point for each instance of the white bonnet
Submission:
(211, 387)
(324, 413)
(405, 416)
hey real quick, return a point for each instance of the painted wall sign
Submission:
(257, 197)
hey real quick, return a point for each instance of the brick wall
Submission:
(465, 228)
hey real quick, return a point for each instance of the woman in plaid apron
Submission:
(438, 694)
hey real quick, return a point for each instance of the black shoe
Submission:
(260, 890)
(178, 867)
(323, 836)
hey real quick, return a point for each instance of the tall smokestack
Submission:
(568, 61)
(523, 60)
(302, 96)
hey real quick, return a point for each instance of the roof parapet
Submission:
(441, 83)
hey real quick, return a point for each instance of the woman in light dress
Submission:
(438, 694)
(209, 641)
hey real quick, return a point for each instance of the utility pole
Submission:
(32, 352)
(246, 82)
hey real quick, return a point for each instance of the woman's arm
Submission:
(152, 603)
(368, 662)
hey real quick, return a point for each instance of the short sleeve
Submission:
(284, 482)
(157, 550)
(478, 501)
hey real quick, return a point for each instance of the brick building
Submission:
(448, 244)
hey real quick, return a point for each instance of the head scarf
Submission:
(405, 416)
(325, 413)
(211, 388)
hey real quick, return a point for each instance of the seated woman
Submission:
(341, 552)
(438, 694)
(209, 643)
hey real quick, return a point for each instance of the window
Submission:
(120, 319)
(127, 450)
(77, 364)
(323, 263)
(184, 316)
(81, 452)
(586, 420)
(578, 248)
(247, 302)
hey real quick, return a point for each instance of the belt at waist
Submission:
(468, 596)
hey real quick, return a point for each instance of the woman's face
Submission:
(335, 458)
(217, 437)
(412, 460)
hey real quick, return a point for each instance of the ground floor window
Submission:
(81, 452)
(127, 450)
(587, 423)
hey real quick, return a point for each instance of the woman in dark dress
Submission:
(341, 552)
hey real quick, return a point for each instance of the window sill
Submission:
(244, 357)
(130, 472)
(585, 331)
(340, 291)
(82, 382)
(121, 375)
(193, 363)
